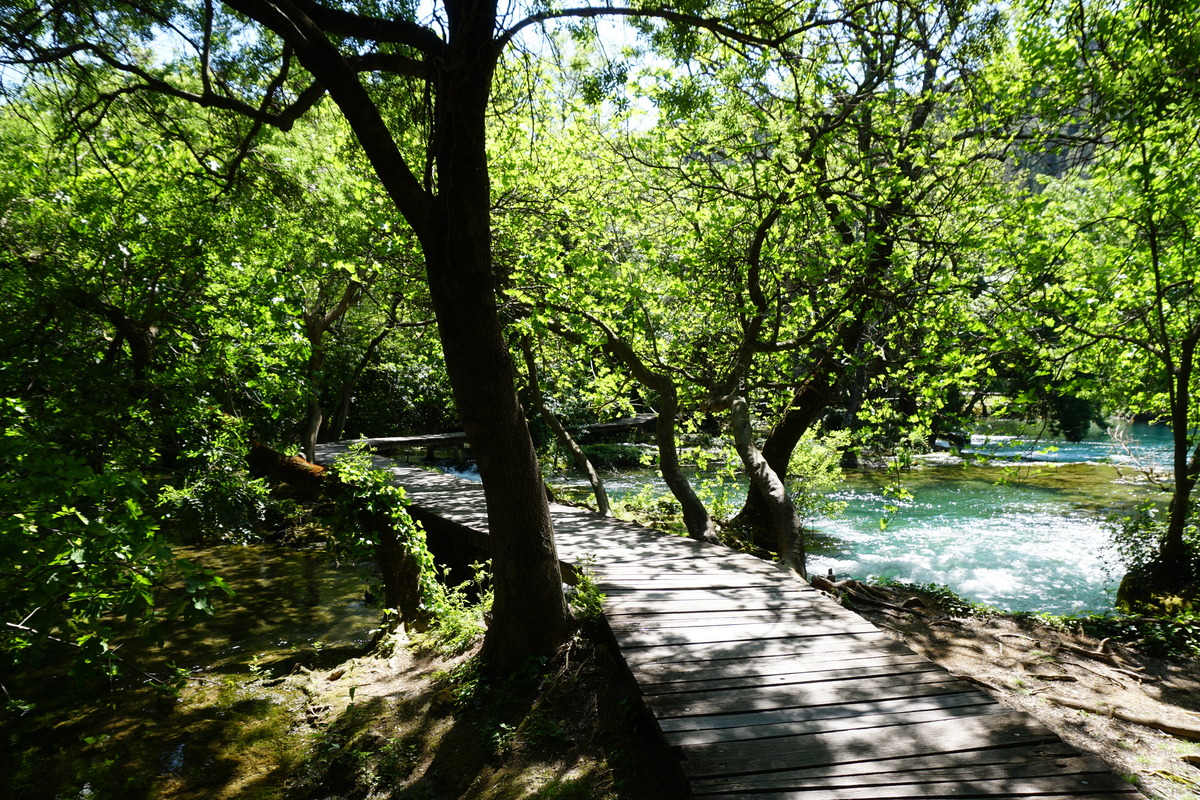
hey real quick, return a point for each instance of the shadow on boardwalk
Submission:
(765, 687)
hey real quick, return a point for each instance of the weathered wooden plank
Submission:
(798, 616)
(757, 591)
(754, 633)
(716, 651)
(678, 601)
(1052, 758)
(700, 619)
(1048, 787)
(1026, 768)
(709, 564)
(793, 676)
(919, 739)
(878, 722)
(828, 652)
(809, 713)
(862, 690)
(644, 604)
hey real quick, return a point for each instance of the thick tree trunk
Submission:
(565, 440)
(806, 408)
(400, 570)
(530, 615)
(789, 530)
(454, 228)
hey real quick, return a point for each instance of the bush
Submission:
(616, 455)
(80, 555)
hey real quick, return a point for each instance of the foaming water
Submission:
(1019, 548)
(1123, 443)
(1022, 530)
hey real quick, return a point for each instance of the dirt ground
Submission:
(409, 724)
(1089, 691)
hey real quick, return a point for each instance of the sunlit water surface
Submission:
(1024, 531)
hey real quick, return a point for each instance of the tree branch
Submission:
(711, 24)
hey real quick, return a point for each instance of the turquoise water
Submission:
(1027, 533)
(1024, 531)
(1019, 546)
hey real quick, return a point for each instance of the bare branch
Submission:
(389, 62)
(340, 22)
(711, 24)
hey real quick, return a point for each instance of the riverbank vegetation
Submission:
(797, 237)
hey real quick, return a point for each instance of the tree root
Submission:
(1102, 653)
(850, 589)
(1183, 731)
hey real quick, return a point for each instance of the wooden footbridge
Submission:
(766, 688)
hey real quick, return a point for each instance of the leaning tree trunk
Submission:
(346, 396)
(806, 408)
(565, 440)
(788, 528)
(695, 516)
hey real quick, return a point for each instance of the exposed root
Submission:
(1182, 730)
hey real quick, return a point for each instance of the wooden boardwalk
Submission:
(766, 688)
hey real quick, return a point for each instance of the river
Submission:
(1021, 526)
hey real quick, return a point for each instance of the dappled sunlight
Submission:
(761, 683)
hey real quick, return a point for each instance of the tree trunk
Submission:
(312, 424)
(454, 228)
(1174, 555)
(695, 515)
(346, 397)
(789, 531)
(400, 570)
(807, 406)
(563, 436)
(530, 615)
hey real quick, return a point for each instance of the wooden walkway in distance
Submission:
(767, 688)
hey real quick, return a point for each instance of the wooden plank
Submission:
(732, 620)
(821, 655)
(680, 602)
(810, 713)
(1031, 765)
(689, 619)
(926, 739)
(877, 722)
(862, 690)
(794, 676)
(705, 568)
(1054, 758)
(755, 634)
(717, 651)
(1049, 787)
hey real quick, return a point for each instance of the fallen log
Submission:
(305, 478)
